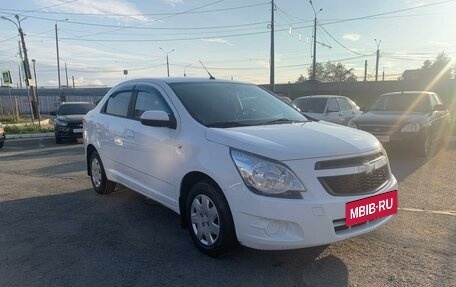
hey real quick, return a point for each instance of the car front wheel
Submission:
(424, 146)
(98, 176)
(209, 219)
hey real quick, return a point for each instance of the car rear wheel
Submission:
(209, 219)
(98, 176)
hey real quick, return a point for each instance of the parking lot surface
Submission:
(56, 231)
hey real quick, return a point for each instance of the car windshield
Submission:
(222, 104)
(402, 103)
(75, 109)
(311, 104)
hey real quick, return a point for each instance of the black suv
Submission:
(414, 118)
(68, 121)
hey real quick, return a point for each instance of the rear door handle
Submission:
(118, 141)
(130, 134)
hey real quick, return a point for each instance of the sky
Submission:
(99, 39)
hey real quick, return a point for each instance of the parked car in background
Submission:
(237, 163)
(2, 136)
(288, 101)
(68, 121)
(334, 109)
(414, 118)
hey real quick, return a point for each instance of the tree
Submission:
(331, 72)
(301, 79)
(440, 68)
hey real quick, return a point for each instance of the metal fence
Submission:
(17, 101)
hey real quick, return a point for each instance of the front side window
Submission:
(344, 105)
(222, 104)
(118, 104)
(150, 101)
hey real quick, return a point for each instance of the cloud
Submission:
(101, 7)
(440, 44)
(173, 3)
(351, 37)
(217, 40)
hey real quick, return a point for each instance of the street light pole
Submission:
(167, 60)
(62, 98)
(28, 74)
(378, 56)
(314, 60)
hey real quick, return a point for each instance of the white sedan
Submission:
(238, 164)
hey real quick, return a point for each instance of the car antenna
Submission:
(210, 76)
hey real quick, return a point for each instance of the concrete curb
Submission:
(27, 136)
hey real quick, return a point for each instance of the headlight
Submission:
(352, 124)
(412, 127)
(61, 123)
(266, 177)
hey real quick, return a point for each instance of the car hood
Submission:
(74, 119)
(387, 118)
(295, 141)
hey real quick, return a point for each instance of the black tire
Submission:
(98, 176)
(58, 140)
(226, 238)
(1, 144)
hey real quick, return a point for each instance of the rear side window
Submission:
(118, 104)
(311, 105)
(333, 106)
(150, 101)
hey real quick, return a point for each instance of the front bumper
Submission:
(277, 224)
(68, 132)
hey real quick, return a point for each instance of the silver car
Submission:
(330, 108)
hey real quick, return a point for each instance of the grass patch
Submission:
(28, 129)
(12, 120)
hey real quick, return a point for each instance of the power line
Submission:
(342, 45)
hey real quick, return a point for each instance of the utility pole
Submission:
(32, 90)
(383, 74)
(167, 59)
(62, 98)
(365, 70)
(314, 61)
(20, 69)
(378, 56)
(271, 66)
(66, 75)
(72, 78)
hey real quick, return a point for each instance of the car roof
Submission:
(70, 103)
(321, 96)
(171, 80)
(408, 92)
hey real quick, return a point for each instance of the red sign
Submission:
(371, 208)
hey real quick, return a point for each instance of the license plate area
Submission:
(371, 208)
(78, 131)
(383, 139)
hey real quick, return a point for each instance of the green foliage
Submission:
(28, 129)
(301, 79)
(333, 72)
(9, 119)
(440, 68)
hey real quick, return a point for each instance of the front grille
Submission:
(378, 129)
(75, 125)
(346, 162)
(358, 183)
(340, 228)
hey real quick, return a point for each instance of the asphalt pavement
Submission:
(56, 231)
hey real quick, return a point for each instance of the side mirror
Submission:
(158, 119)
(363, 109)
(440, 108)
(53, 113)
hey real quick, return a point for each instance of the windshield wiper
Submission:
(226, 125)
(281, 121)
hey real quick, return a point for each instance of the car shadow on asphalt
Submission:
(404, 161)
(124, 239)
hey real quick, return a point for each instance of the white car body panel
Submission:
(154, 160)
